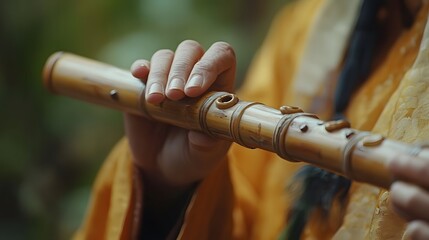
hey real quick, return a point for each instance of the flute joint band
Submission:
(280, 133)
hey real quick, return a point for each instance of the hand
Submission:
(170, 157)
(410, 195)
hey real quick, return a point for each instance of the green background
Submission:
(50, 146)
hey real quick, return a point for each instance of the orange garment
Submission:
(245, 197)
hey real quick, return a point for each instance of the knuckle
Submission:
(417, 231)
(181, 65)
(157, 74)
(225, 48)
(205, 66)
(412, 199)
(176, 76)
(163, 53)
(222, 85)
(190, 44)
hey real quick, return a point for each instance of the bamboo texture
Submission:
(288, 131)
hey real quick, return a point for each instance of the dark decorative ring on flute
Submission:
(288, 131)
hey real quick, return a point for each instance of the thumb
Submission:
(206, 151)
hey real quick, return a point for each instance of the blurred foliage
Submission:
(51, 147)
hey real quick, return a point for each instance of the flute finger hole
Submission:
(226, 101)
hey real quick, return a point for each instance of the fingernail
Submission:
(195, 81)
(156, 88)
(402, 159)
(176, 83)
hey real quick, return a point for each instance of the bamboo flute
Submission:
(288, 131)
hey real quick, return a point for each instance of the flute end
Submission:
(49, 68)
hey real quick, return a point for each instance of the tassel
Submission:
(314, 188)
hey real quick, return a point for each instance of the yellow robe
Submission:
(245, 197)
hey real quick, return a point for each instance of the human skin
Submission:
(172, 159)
(409, 194)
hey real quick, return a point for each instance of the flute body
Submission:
(288, 131)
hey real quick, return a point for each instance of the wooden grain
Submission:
(293, 135)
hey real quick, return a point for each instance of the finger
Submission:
(157, 79)
(143, 149)
(140, 69)
(417, 230)
(217, 67)
(190, 157)
(410, 200)
(187, 54)
(411, 169)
